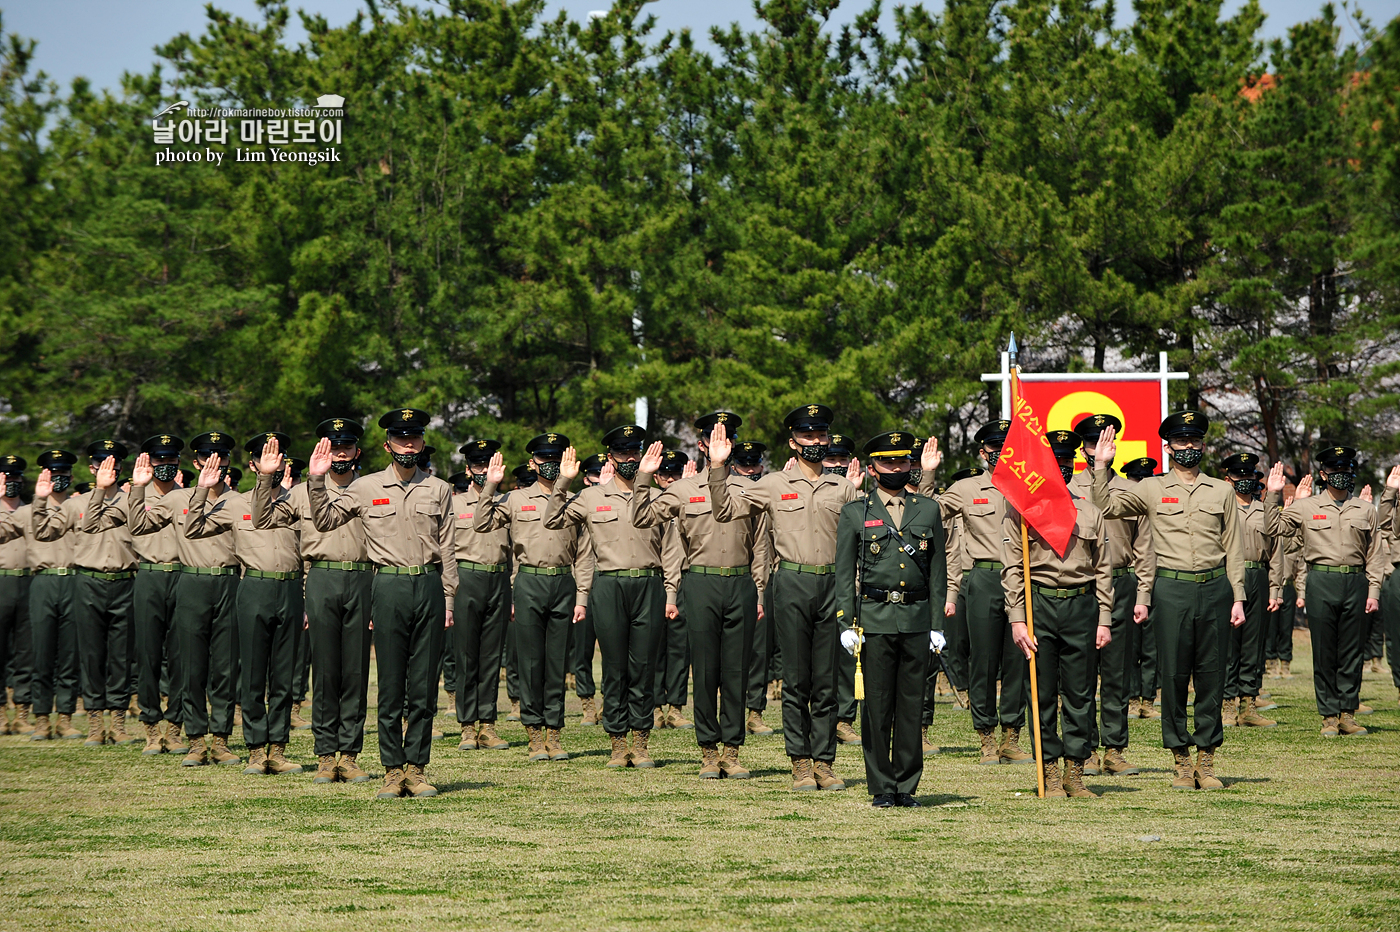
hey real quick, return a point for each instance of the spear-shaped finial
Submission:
(1011, 349)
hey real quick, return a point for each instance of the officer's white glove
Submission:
(849, 640)
(936, 641)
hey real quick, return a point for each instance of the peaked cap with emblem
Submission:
(673, 461)
(162, 445)
(235, 476)
(918, 448)
(190, 477)
(1090, 427)
(1242, 464)
(340, 429)
(967, 473)
(547, 443)
(1063, 443)
(256, 444)
(731, 421)
(1184, 424)
(748, 452)
(460, 481)
(1140, 468)
(50, 458)
(890, 445)
(809, 417)
(213, 442)
(594, 464)
(626, 437)
(296, 465)
(993, 432)
(101, 449)
(479, 451)
(11, 464)
(1340, 458)
(82, 487)
(405, 422)
(525, 476)
(841, 445)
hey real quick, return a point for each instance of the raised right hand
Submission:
(720, 445)
(212, 474)
(107, 473)
(568, 465)
(271, 459)
(142, 472)
(651, 459)
(496, 469)
(1276, 480)
(1304, 488)
(1104, 451)
(43, 486)
(320, 462)
(930, 459)
(1392, 481)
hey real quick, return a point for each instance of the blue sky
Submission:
(99, 39)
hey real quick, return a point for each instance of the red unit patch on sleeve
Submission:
(1170, 501)
(527, 507)
(696, 498)
(382, 501)
(981, 501)
(604, 508)
(789, 496)
(876, 523)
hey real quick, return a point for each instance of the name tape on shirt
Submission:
(465, 517)
(789, 496)
(876, 523)
(247, 517)
(981, 501)
(527, 507)
(696, 498)
(382, 501)
(1171, 501)
(1319, 517)
(604, 508)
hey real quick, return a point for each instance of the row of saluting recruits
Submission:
(1174, 579)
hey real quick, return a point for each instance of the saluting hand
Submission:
(790, 465)
(689, 469)
(568, 465)
(210, 476)
(496, 469)
(1304, 489)
(287, 478)
(720, 445)
(271, 459)
(107, 473)
(853, 472)
(1276, 480)
(931, 457)
(43, 486)
(1392, 481)
(142, 472)
(320, 462)
(1237, 614)
(651, 459)
(1365, 495)
(605, 475)
(1106, 448)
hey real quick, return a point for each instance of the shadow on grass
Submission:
(1231, 781)
(1110, 788)
(943, 799)
(462, 786)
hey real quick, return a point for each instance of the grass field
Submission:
(1305, 836)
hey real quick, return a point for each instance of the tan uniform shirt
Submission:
(144, 516)
(271, 551)
(958, 560)
(1344, 533)
(56, 551)
(1195, 526)
(703, 540)
(163, 546)
(979, 510)
(533, 544)
(617, 545)
(14, 552)
(1129, 539)
(273, 509)
(406, 523)
(802, 512)
(491, 547)
(106, 551)
(1259, 545)
(1085, 563)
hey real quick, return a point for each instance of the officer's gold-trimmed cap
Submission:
(893, 444)
(626, 437)
(50, 458)
(340, 429)
(809, 417)
(405, 421)
(11, 464)
(1184, 424)
(479, 451)
(101, 449)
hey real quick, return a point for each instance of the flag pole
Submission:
(1030, 614)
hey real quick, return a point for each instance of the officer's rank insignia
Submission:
(874, 548)
(923, 545)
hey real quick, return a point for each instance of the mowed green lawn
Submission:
(1306, 836)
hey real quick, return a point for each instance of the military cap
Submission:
(1258, 474)
(1241, 464)
(1339, 458)
(9, 463)
(1063, 443)
(673, 461)
(51, 458)
(340, 429)
(917, 449)
(890, 445)
(841, 445)
(1090, 427)
(626, 437)
(162, 445)
(213, 442)
(479, 451)
(748, 452)
(190, 477)
(81, 487)
(235, 476)
(101, 449)
(460, 481)
(808, 417)
(1184, 424)
(1140, 468)
(594, 463)
(255, 445)
(967, 473)
(296, 465)
(525, 476)
(425, 457)
(405, 421)
(993, 432)
(546, 444)
(729, 419)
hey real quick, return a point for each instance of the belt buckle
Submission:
(414, 570)
(896, 597)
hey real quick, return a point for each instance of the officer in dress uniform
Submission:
(672, 647)
(891, 572)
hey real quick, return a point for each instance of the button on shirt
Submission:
(1344, 533)
(272, 508)
(533, 544)
(406, 523)
(490, 547)
(1129, 539)
(705, 541)
(802, 512)
(270, 551)
(1195, 525)
(617, 545)
(106, 551)
(1085, 563)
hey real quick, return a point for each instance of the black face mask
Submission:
(833, 470)
(813, 452)
(341, 467)
(892, 480)
(278, 476)
(61, 483)
(478, 479)
(12, 489)
(1344, 481)
(1245, 487)
(1088, 459)
(755, 477)
(916, 475)
(406, 459)
(992, 460)
(627, 470)
(166, 472)
(1187, 458)
(547, 470)
(1067, 472)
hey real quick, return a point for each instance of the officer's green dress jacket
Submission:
(870, 552)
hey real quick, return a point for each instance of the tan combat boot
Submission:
(846, 734)
(350, 771)
(619, 752)
(297, 721)
(1054, 789)
(41, 728)
(1269, 667)
(277, 761)
(774, 693)
(1184, 779)
(1090, 767)
(709, 762)
(1205, 770)
(1146, 711)
(66, 730)
(514, 714)
(658, 719)
(486, 737)
(590, 711)
(802, 779)
(97, 731)
(416, 783)
(326, 771)
(640, 757)
(5, 726)
(826, 777)
(468, 742)
(1010, 751)
(989, 747)
(393, 786)
(452, 704)
(219, 752)
(536, 752)
(257, 762)
(929, 748)
(1230, 712)
(756, 725)
(118, 734)
(153, 746)
(729, 763)
(174, 742)
(1349, 726)
(674, 718)
(1364, 709)
(198, 755)
(554, 744)
(1074, 781)
(1116, 764)
(1284, 672)
(1134, 706)
(1330, 726)
(23, 726)
(1250, 717)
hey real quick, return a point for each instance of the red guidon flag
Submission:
(1028, 475)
